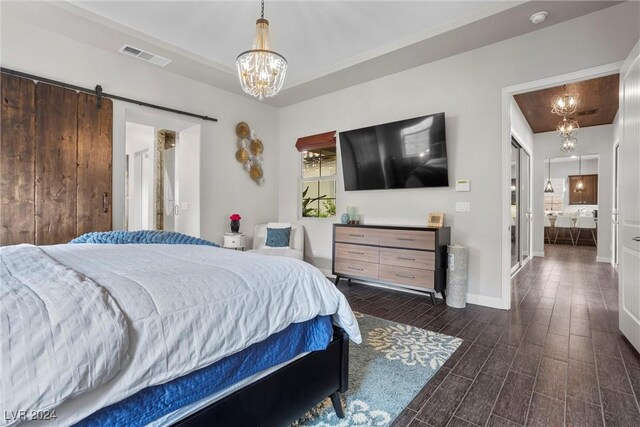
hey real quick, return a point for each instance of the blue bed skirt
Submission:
(154, 402)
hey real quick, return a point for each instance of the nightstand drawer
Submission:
(365, 236)
(357, 252)
(410, 239)
(407, 276)
(356, 268)
(408, 258)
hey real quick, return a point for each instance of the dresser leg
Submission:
(444, 297)
(433, 298)
(348, 281)
(337, 280)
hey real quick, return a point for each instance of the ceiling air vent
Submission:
(144, 55)
(588, 112)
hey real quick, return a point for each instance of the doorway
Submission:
(520, 206)
(162, 176)
(571, 201)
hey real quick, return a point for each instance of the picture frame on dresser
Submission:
(413, 258)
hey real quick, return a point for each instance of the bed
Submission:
(90, 329)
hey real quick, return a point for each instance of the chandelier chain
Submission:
(262, 9)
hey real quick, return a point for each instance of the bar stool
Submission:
(588, 223)
(547, 226)
(564, 222)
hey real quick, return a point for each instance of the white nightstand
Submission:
(234, 241)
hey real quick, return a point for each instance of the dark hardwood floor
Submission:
(557, 358)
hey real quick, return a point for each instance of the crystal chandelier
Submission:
(565, 104)
(568, 144)
(567, 127)
(549, 188)
(261, 70)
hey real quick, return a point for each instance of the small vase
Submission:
(235, 226)
(344, 218)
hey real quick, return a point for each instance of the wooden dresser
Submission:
(411, 257)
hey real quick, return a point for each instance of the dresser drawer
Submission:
(410, 239)
(357, 252)
(366, 236)
(356, 268)
(407, 276)
(408, 258)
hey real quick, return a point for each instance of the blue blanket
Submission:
(154, 402)
(142, 236)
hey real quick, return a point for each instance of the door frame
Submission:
(507, 95)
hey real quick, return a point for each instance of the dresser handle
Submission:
(406, 239)
(406, 259)
(354, 268)
(356, 253)
(404, 276)
(356, 235)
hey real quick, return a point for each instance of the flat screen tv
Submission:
(409, 153)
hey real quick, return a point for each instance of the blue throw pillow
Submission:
(278, 237)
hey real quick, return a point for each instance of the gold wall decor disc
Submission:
(255, 172)
(242, 155)
(242, 130)
(256, 147)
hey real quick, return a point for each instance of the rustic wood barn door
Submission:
(56, 154)
(17, 161)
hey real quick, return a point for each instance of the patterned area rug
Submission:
(386, 372)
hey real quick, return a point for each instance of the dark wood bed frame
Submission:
(283, 396)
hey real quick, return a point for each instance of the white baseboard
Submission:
(484, 301)
(603, 259)
(538, 254)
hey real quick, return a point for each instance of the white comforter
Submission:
(189, 306)
(60, 334)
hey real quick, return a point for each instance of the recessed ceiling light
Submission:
(539, 17)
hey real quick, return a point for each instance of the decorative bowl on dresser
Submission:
(410, 257)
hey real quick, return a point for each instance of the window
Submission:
(319, 183)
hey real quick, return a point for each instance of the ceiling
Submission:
(315, 37)
(330, 45)
(597, 104)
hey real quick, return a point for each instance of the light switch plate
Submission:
(463, 185)
(463, 206)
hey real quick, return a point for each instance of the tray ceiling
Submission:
(330, 45)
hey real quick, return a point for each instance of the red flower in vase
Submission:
(235, 217)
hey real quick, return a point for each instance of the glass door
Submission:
(515, 206)
(525, 205)
(616, 199)
(520, 205)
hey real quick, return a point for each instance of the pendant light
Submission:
(549, 188)
(565, 104)
(261, 70)
(579, 185)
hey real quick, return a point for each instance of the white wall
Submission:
(592, 140)
(467, 88)
(188, 185)
(140, 138)
(225, 187)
